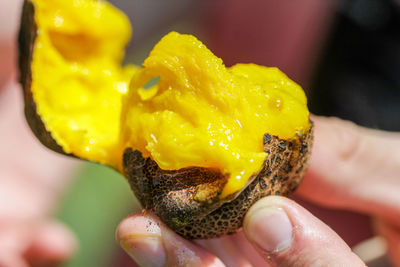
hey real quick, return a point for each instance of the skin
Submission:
(349, 169)
(29, 192)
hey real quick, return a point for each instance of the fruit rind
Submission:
(171, 194)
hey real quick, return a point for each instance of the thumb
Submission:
(286, 234)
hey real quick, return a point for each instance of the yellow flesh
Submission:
(77, 78)
(200, 113)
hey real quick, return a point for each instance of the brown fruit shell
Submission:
(187, 200)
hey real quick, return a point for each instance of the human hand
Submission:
(276, 232)
(31, 180)
(358, 169)
(350, 167)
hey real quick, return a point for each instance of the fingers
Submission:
(354, 167)
(286, 234)
(52, 244)
(150, 243)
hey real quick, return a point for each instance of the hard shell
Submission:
(187, 200)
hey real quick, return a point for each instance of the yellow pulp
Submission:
(203, 114)
(200, 113)
(77, 78)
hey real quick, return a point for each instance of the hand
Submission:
(31, 179)
(351, 167)
(276, 231)
(358, 169)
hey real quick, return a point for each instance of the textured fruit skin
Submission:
(187, 199)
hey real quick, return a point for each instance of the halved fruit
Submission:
(198, 142)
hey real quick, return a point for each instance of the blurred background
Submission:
(345, 54)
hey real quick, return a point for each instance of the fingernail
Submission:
(144, 243)
(269, 228)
